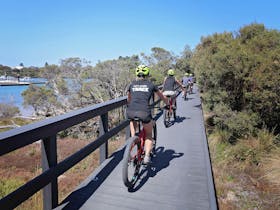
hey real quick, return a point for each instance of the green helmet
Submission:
(142, 70)
(170, 72)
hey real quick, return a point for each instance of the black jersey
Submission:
(141, 92)
(169, 84)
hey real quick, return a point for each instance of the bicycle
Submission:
(134, 154)
(169, 111)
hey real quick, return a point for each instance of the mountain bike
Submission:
(169, 111)
(134, 154)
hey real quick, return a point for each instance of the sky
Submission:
(34, 32)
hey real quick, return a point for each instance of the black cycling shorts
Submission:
(146, 117)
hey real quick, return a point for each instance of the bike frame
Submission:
(142, 136)
(170, 104)
(170, 101)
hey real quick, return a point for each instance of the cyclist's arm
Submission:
(180, 84)
(128, 97)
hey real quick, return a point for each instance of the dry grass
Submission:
(247, 175)
(271, 168)
(25, 164)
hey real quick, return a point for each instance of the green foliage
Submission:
(241, 70)
(111, 78)
(245, 153)
(183, 62)
(237, 124)
(41, 98)
(222, 135)
(7, 110)
(160, 61)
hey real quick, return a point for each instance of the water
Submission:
(12, 95)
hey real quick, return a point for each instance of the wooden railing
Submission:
(47, 131)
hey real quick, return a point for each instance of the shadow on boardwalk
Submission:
(160, 162)
(77, 198)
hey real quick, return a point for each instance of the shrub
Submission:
(7, 110)
(245, 152)
(237, 124)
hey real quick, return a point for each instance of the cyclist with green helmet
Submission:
(191, 80)
(169, 85)
(186, 84)
(140, 92)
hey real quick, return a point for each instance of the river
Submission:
(12, 95)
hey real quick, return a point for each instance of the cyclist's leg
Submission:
(132, 126)
(174, 100)
(148, 127)
(131, 114)
(148, 141)
(185, 91)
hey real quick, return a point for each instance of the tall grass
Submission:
(247, 173)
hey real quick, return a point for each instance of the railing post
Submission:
(103, 128)
(49, 160)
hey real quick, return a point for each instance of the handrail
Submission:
(47, 130)
(19, 137)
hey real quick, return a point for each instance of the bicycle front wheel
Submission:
(131, 163)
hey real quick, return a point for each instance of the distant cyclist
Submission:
(185, 83)
(140, 92)
(191, 81)
(169, 85)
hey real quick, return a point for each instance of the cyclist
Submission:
(169, 85)
(140, 92)
(191, 80)
(185, 82)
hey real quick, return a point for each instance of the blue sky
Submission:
(37, 31)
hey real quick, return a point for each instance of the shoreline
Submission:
(16, 83)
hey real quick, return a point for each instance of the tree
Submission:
(160, 61)
(111, 78)
(183, 62)
(42, 99)
(241, 70)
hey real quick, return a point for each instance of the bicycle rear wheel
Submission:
(174, 111)
(131, 163)
(185, 96)
(166, 117)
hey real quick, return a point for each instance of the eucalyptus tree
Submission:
(183, 61)
(109, 79)
(160, 61)
(63, 87)
(42, 99)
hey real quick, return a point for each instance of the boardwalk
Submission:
(179, 179)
